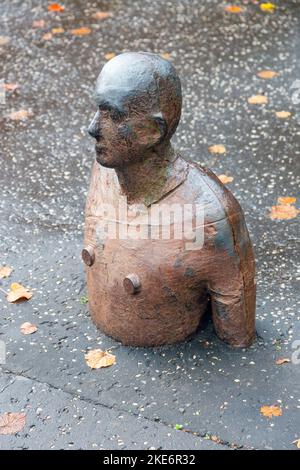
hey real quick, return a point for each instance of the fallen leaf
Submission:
(12, 423)
(96, 359)
(4, 40)
(215, 439)
(178, 427)
(282, 212)
(19, 115)
(283, 360)
(258, 99)
(226, 179)
(267, 7)
(83, 299)
(10, 86)
(283, 114)
(5, 271)
(18, 292)
(267, 74)
(270, 411)
(287, 200)
(28, 328)
(38, 23)
(233, 9)
(165, 55)
(57, 30)
(110, 55)
(102, 15)
(47, 36)
(81, 31)
(297, 442)
(55, 7)
(217, 149)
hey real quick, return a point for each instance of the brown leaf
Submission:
(96, 359)
(233, 9)
(270, 411)
(283, 114)
(19, 115)
(226, 179)
(28, 328)
(38, 23)
(297, 442)
(81, 31)
(217, 149)
(283, 212)
(110, 55)
(47, 36)
(5, 271)
(258, 99)
(102, 15)
(283, 360)
(12, 423)
(165, 55)
(55, 7)
(10, 86)
(267, 74)
(287, 200)
(18, 292)
(4, 40)
(57, 30)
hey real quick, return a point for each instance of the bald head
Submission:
(141, 82)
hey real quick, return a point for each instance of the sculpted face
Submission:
(139, 104)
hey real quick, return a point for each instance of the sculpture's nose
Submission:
(94, 127)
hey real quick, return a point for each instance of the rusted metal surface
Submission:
(155, 291)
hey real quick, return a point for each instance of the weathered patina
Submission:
(155, 289)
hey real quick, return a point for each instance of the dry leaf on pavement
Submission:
(267, 74)
(226, 179)
(258, 99)
(28, 328)
(165, 55)
(110, 55)
(102, 15)
(5, 271)
(81, 31)
(283, 114)
(57, 30)
(11, 423)
(287, 200)
(270, 411)
(19, 115)
(18, 292)
(56, 7)
(283, 360)
(10, 86)
(297, 442)
(217, 149)
(233, 9)
(96, 359)
(285, 209)
(4, 40)
(47, 36)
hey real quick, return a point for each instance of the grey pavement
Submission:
(203, 385)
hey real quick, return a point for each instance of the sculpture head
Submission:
(138, 95)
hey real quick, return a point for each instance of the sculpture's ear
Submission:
(152, 130)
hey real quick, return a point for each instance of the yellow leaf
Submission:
(283, 212)
(81, 31)
(233, 9)
(268, 7)
(19, 115)
(96, 359)
(55, 7)
(47, 36)
(217, 149)
(297, 442)
(5, 271)
(225, 179)
(4, 40)
(28, 328)
(102, 15)
(270, 411)
(165, 55)
(110, 55)
(281, 361)
(18, 292)
(11, 423)
(267, 74)
(258, 99)
(57, 30)
(287, 200)
(283, 114)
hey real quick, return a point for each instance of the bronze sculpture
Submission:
(153, 289)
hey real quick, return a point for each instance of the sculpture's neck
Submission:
(144, 181)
